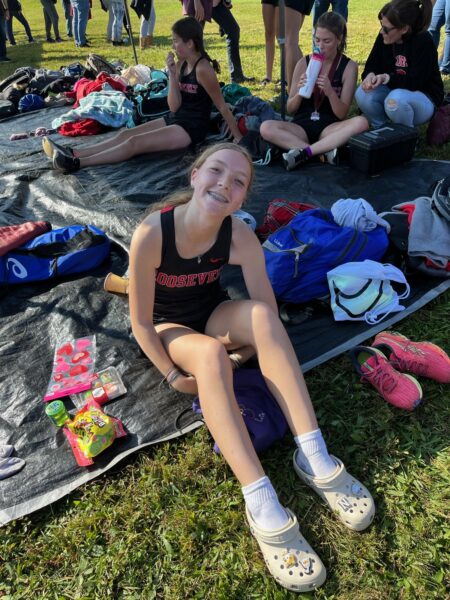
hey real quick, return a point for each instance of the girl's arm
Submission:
(247, 252)
(341, 105)
(207, 78)
(174, 95)
(298, 81)
(145, 254)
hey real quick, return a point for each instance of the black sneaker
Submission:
(242, 79)
(294, 158)
(50, 40)
(50, 147)
(59, 40)
(5, 59)
(64, 163)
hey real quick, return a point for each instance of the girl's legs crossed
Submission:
(338, 134)
(284, 134)
(408, 108)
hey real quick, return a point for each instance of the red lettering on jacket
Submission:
(400, 61)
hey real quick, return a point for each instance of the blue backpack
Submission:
(299, 255)
(59, 252)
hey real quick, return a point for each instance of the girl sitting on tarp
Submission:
(319, 125)
(193, 88)
(401, 80)
(186, 324)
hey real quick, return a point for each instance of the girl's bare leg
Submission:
(270, 19)
(171, 137)
(122, 135)
(338, 134)
(207, 359)
(245, 322)
(294, 22)
(284, 134)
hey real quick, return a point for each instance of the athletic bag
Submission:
(57, 253)
(262, 415)
(151, 101)
(299, 255)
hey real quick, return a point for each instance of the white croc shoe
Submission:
(344, 494)
(288, 556)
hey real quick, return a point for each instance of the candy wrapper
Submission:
(73, 368)
(105, 385)
(92, 431)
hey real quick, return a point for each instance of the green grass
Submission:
(149, 529)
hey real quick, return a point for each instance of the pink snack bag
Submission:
(73, 368)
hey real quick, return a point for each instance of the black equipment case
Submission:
(373, 151)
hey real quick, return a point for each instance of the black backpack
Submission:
(263, 153)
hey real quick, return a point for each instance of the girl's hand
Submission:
(171, 66)
(324, 84)
(368, 82)
(186, 384)
(302, 81)
(199, 11)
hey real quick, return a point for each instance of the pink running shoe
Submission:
(420, 358)
(400, 390)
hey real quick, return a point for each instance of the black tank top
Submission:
(307, 105)
(187, 290)
(195, 100)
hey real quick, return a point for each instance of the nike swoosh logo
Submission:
(215, 260)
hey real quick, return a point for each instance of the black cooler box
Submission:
(373, 151)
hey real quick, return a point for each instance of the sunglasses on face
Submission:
(387, 30)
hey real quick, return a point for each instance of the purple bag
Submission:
(262, 416)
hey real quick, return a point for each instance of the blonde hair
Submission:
(185, 194)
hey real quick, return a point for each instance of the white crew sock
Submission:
(312, 455)
(262, 502)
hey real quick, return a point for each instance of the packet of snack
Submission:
(105, 385)
(92, 431)
(73, 368)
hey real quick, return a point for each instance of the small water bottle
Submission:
(312, 72)
(57, 412)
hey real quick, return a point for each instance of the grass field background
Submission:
(168, 523)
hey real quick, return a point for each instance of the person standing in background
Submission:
(4, 16)
(15, 10)
(440, 17)
(295, 11)
(51, 18)
(270, 20)
(147, 29)
(220, 12)
(68, 17)
(80, 9)
(321, 6)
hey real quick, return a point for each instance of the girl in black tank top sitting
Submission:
(193, 334)
(193, 88)
(319, 125)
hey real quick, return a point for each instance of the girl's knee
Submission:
(263, 318)
(268, 129)
(361, 124)
(212, 356)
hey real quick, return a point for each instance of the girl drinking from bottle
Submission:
(187, 326)
(319, 125)
(193, 88)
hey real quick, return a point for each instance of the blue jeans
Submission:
(117, 8)
(80, 19)
(399, 106)
(440, 17)
(225, 19)
(67, 16)
(321, 6)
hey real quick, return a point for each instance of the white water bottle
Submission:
(312, 72)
